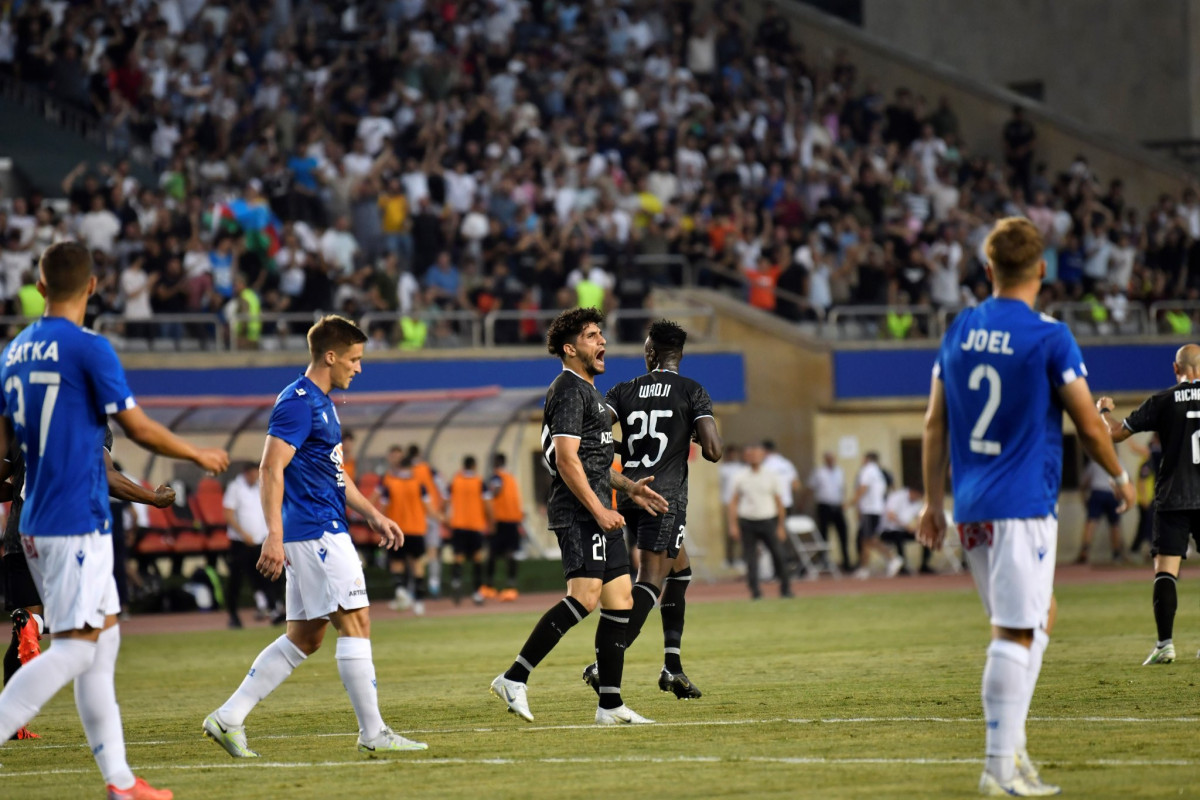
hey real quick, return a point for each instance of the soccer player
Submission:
(660, 413)
(60, 383)
(506, 539)
(577, 443)
(304, 497)
(1002, 379)
(21, 596)
(469, 515)
(424, 472)
(1172, 414)
(407, 504)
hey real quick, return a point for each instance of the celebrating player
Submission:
(60, 383)
(578, 445)
(660, 412)
(1002, 379)
(304, 497)
(1171, 413)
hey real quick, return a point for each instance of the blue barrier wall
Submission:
(863, 374)
(723, 374)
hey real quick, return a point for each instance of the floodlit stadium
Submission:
(938, 267)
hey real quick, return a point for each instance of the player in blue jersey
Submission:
(60, 383)
(304, 498)
(1003, 377)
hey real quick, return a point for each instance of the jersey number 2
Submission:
(51, 381)
(985, 372)
(649, 424)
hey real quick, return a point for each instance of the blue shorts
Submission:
(1103, 504)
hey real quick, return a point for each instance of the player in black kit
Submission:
(577, 443)
(1174, 414)
(660, 413)
(20, 593)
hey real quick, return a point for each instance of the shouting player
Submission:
(60, 383)
(577, 442)
(660, 413)
(1002, 379)
(304, 497)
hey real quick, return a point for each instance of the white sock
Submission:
(96, 700)
(1005, 679)
(39, 680)
(358, 676)
(270, 669)
(1036, 651)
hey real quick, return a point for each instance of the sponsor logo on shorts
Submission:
(79, 557)
(322, 553)
(358, 592)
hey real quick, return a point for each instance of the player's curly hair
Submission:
(667, 336)
(567, 326)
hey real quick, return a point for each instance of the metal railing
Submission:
(443, 328)
(208, 331)
(1091, 319)
(870, 322)
(1157, 324)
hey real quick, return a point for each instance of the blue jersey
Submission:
(1001, 365)
(60, 383)
(314, 484)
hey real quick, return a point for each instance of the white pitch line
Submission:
(681, 724)
(452, 762)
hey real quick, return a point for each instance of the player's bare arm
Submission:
(389, 532)
(639, 492)
(935, 465)
(156, 438)
(711, 445)
(122, 488)
(277, 454)
(569, 466)
(1095, 434)
(1117, 430)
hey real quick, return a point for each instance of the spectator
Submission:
(99, 227)
(756, 514)
(902, 512)
(136, 290)
(1019, 140)
(870, 496)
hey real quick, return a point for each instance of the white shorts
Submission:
(1012, 561)
(323, 575)
(74, 575)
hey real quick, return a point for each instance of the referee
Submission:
(1174, 414)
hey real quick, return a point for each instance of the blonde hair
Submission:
(1014, 248)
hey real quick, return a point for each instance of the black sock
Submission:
(512, 571)
(11, 662)
(418, 587)
(553, 625)
(477, 574)
(610, 655)
(1165, 602)
(491, 570)
(645, 598)
(672, 608)
(456, 574)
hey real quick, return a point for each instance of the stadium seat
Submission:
(207, 504)
(218, 541)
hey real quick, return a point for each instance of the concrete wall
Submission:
(1118, 65)
(983, 107)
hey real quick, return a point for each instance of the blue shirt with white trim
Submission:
(1001, 365)
(314, 483)
(60, 382)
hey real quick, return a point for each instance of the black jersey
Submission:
(1175, 415)
(575, 408)
(658, 413)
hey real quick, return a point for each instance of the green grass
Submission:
(791, 680)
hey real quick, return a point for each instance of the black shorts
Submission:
(1171, 531)
(413, 547)
(507, 538)
(19, 589)
(656, 534)
(1103, 504)
(869, 525)
(588, 552)
(466, 543)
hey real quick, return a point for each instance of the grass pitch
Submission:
(833, 697)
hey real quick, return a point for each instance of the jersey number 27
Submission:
(51, 381)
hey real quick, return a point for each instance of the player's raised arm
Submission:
(1096, 436)
(277, 454)
(1117, 430)
(935, 466)
(156, 438)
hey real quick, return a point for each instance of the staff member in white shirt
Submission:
(828, 485)
(247, 528)
(901, 514)
(756, 514)
(789, 477)
(870, 498)
(727, 470)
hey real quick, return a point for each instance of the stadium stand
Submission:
(429, 165)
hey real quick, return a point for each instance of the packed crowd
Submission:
(427, 158)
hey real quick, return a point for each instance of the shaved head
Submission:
(1188, 357)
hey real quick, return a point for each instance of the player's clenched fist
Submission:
(609, 520)
(164, 496)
